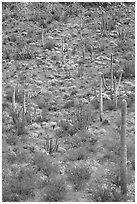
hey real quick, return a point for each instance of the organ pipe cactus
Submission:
(101, 98)
(123, 150)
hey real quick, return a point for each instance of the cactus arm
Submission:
(104, 84)
(119, 81)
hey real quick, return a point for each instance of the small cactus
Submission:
(101, 98)
(123, 150)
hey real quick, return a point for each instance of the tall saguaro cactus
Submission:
(111, 61)
(123, 153)
(62, 50)
(115, 94)
(81, 26)
(42, 35)
(13, 99)
(101, 98)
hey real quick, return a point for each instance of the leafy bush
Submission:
(55, 190)
(78, 175)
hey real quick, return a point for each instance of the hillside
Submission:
(55, 145)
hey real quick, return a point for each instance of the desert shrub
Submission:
(105, 192)
(78, 174)
(18, 184)
(44, 163)
(103, 186)
(49, 44)
(55, 190)
(76, 154)
(23, 52)
(129, 69)
(7, 53)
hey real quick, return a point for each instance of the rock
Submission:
(61, 149)
(35, 126)
(49, 125)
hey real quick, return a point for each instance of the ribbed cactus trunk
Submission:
(101, 98)
(123, 152)
(111, 67)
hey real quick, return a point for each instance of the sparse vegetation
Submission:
(61, 122)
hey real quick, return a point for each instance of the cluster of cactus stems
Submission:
(114, 87)
(66, 69)
(121, 35)
(123, 149)
(50, 146)
(20, 116)
(105, 25)
(81, 118)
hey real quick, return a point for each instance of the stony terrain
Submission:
(81, 163)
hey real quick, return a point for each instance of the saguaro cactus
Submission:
(101, 98)
(13, 99)
(62, 50)
(42, 34)
(111, 67)
(115, 94)
(91, 54)
(81, 26)
(123, 152)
